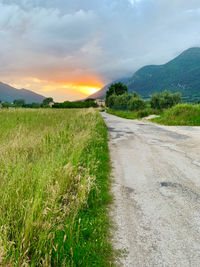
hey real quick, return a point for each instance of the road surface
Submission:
(156, 185)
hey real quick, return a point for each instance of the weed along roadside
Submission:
(54, 188)
(182, 114)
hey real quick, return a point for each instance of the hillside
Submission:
(9, 94)
(182, 74)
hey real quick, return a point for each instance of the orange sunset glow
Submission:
(61, 90)
(85, 89)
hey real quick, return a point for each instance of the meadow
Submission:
(54, 188)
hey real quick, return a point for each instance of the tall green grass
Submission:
(54, 168)
(181, 114)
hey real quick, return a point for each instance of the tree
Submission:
(7, 105)
(46, 101)
(176, 98)
(77, 104)
(134, 94)
(116, 89)
(19, 102)
(32, 105)
(155, 101)
(111, 101)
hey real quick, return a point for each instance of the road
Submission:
(156, 186)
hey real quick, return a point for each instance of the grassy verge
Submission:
(123, 114)
(182, 114)
(133, 114)
(54, 188)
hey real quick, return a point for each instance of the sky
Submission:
(69, 49)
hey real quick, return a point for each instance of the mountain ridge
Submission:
(181, 74)
(9, 94)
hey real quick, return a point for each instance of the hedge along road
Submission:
(156, 185)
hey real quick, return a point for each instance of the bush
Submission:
(111, 101)
(144, 113)
(121, 101)
(165, 100)
(126, 102)
(136, 103)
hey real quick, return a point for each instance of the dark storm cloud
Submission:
(110, 38)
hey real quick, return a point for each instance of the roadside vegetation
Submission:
(182, 114)
(166, 104)
(132, 115)
(132, 106)
(54, 188)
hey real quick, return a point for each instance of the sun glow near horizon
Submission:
(84, 89)
(60, 89)
(88, 90)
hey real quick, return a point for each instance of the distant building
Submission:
(51, 104)
(100, 102)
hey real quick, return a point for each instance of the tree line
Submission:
(117, 97)
(20, 103)
(76, 104)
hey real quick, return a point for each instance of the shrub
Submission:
(121, 101)
(143, 113)
(165, 100)
(136, 103)
(111, 101)
(126, 102)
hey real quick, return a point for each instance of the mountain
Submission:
(9, 94)
(101, 94)
(182, 74)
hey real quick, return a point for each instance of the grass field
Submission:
(54, 188)
(182, 114)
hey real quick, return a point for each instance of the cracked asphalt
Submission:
(156, 186)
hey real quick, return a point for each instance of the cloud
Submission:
(63, 40)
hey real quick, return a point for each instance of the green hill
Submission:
(182, 74)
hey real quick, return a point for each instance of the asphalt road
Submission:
(156, 185)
